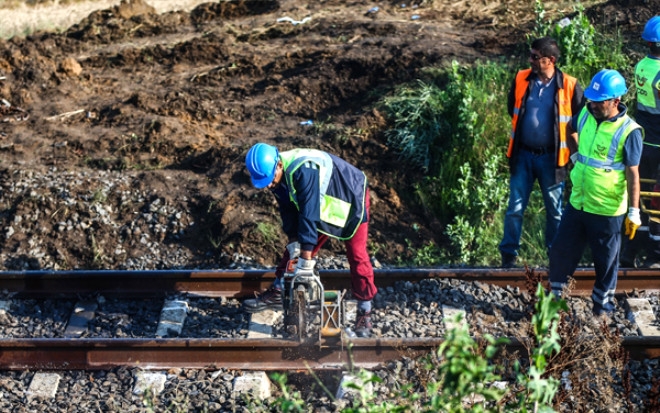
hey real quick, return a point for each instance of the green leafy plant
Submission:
(540, 390)
(585, 50)
(461, 375)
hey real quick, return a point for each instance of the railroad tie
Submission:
(255, 383)
(149, 382)
(172, 317)
(83, 313)
(640, 312)
(43, 385)
(449, 316)
(261, 323)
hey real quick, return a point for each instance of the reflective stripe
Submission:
(602, 297)
(607, 164)
(558, 288)
(649, 109)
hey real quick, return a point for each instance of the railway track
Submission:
(265, 353)
(234, 283)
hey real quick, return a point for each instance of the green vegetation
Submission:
(462, 375)
(454, 127)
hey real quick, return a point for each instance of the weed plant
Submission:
(567, 368)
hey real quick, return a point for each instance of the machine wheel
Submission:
(301, 310)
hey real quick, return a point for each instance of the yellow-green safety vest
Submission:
(647, 79)
(599, 176)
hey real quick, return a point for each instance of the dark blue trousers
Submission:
(603, 235)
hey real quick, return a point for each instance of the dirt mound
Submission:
(181, 96)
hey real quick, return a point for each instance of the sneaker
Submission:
(508, 260)
(269, 299)
(363, 324)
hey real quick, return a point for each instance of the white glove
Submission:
(633, 221)
(305, 267)
(574, 158)
(294, 250)
(633, 215)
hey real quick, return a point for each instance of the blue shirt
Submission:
(539, 119)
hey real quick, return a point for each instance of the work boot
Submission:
(363, 324)
(269, 299)
(508, 260)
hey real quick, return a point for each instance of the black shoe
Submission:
(269, 299)
(508, 260)
(363, 324)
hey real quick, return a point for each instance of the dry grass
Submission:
(21, 18)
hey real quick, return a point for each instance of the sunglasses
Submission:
(535, 57)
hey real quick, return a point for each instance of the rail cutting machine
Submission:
(310, 312)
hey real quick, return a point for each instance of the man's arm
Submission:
(307, 188)
(632, 179)
(632, 154)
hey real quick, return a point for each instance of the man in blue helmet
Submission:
(606, 184)
(319, 196)
(647, 80)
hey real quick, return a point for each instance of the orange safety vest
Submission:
(563, 115)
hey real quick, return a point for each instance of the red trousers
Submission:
(362, 273)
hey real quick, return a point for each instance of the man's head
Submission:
(651, 34)
(543, 56)
(604, 93)
(262, 162)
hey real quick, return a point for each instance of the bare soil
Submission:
(181, 96)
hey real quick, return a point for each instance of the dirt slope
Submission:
(174, 100)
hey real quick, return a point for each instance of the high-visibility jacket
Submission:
(599, 176)
(566, 102)
(342, 190)
(647, 79)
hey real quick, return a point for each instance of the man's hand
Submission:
(633, 221)
(305, 267)
(294, 250)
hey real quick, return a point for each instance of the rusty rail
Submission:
(243, 354)
(230, 283)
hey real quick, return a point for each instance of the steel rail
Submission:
(242, 354)
(235, 283)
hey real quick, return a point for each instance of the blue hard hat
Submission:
(652, 30)
(607, 84)
(261, 161)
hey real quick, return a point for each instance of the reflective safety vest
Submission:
(599, 176)
(342, 190)
(563, 112)
(647, 79)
